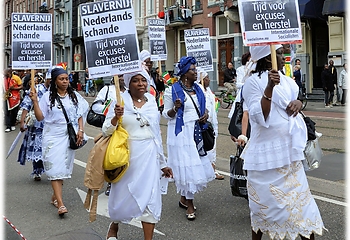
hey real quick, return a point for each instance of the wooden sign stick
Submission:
(32, 85)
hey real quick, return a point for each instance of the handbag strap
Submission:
(107, 93)
(195, 105)
(63, 110)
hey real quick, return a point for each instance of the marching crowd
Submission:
(280, 201)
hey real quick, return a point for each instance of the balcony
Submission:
(59, 5)
(77, 32)
(176, 16)
(140, 26)
(58, 38)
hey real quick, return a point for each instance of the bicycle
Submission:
(226, 99)
(303, 97)
(92, 89)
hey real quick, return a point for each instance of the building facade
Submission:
(323, 30)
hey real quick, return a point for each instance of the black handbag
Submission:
(97, 119)
(238, 176)
(235, 126)
(71, 132)
(208, 134)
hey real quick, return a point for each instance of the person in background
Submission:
(186, 155)
(327, 85)
(337, 93)
(13, 85)
(297, 76)
(88, 81)
(59, 167)
(343, 83)
(213, 118)
(31, 148)
(137, 194)
(111, 96)
(230, 79)
(280, 202)
(241, 73)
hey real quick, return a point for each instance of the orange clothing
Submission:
(15, 97)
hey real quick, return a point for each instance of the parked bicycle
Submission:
(92, 89)
(226, 99)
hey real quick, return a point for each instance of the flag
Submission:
(107, 105)
(287, 65)
(63, 65)
(166, 76)
(217, 104)
(161, 99)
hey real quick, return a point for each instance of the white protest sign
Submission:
(197, 42)
(157, 40)
(31, 40)
(110, 38)
(269, 22)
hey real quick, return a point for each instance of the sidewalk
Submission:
(320, 107)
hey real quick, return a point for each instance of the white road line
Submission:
(83, 164)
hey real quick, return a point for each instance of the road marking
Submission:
(82, 164)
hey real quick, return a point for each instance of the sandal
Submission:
(62, 210)
(191, 216)
(111, 238)
(54, 201)
(182, 205)
(218, 176)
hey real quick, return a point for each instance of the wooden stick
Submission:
(273, 57)
(32, 72)
(160, 68)
(117, 90)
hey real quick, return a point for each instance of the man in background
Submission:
(337, 93)
(230, 79)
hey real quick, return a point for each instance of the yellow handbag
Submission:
(117, 156)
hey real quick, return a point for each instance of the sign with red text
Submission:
(31, 40)
(110, 38)
(269, 22)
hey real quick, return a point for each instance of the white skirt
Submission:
(191, 172)
(58, 158)
(281, 204)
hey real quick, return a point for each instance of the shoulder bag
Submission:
(97, 119)
(238, 176)
(313, 151)
(208, 134)
(235, 125)
(71, 132)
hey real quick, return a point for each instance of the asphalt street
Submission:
(219, 214)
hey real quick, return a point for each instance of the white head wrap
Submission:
(204, 74)
(144, 54)
(128, 76)
(256, 53)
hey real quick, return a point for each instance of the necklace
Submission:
(140, 100)
(190, 89)
(65, 95)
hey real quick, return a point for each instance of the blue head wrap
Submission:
(55, 72)
(184, 64)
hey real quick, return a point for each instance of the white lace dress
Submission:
(280, 201)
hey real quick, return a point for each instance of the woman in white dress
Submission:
(137, 194)
(55, 136)
(213, 118)
(186, 155)
(280, 201)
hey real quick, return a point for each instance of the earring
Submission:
(56, 86)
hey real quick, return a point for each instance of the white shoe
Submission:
(7, 130)
(13, 128)
(327, 106)
(330, 105)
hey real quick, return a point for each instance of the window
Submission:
(225, 26)
(57, 26)
(197, 5)
(67, 30)
(150, 7)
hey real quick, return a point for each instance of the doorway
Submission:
(226, 54)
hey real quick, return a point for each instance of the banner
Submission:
(110, 38)
(31, 40)
(269, 22)
(157, 39)
(197, 42)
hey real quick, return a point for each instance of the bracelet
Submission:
(174, 109)
(266, 97)
(81, 130)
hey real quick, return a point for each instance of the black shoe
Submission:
(108, 190)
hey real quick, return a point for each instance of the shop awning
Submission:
(334, 8)
(311, 9)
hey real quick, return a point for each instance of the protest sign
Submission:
(269, 22)
(110, 38)
(197, 42)
(157, 40)
(31, 40)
